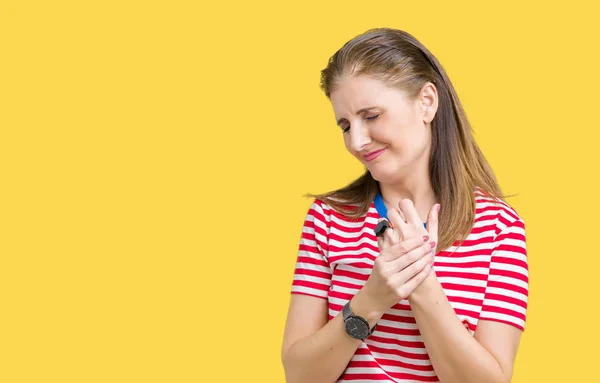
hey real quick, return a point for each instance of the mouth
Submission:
(372, 155)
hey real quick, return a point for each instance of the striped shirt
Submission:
(484, 278)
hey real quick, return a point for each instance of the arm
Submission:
(315, 350)
(489, 356)
(457, 356)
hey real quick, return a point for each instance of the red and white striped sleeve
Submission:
(507, 290)
(312, 275)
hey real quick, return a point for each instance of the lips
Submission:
(372, 155)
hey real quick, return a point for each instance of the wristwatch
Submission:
(357, 327)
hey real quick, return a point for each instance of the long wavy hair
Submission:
(457, 166)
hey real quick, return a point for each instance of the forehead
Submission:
(357, 92)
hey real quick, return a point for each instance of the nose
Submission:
(359, 137)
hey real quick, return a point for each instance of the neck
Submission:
(419, 191)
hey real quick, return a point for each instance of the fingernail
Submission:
(432, 244)
(437, 209)
(425, 238)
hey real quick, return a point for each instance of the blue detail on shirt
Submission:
(380, 206)
(382, 209)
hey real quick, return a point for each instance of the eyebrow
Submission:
(357, 112)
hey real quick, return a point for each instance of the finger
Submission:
(400, 227)
(386, 239)
(402, 215)
(380, 244)
(409, 286)
(410, 213)
(432, 222)
(409, 278)
(390, 238)
(419, 253)
(401, 248)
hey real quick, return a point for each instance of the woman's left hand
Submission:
(412, 225)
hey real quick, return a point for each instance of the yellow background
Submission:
(154, 156)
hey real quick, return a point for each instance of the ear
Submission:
(428, 98)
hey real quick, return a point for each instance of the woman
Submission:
(438, 294)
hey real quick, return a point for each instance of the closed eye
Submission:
(347, 128)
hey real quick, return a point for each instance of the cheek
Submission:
(391, 132)
(409, 145)
(396, 138)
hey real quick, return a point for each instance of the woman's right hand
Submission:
(402, 265)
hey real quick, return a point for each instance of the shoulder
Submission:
(335, 220)
(320, 210)
(495, 211)
(329, 212)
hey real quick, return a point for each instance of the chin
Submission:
(384, 175)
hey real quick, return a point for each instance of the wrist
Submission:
(361, 305)
(425, 289)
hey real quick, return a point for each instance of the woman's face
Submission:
(385, 130)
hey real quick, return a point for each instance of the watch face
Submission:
(357, 328)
